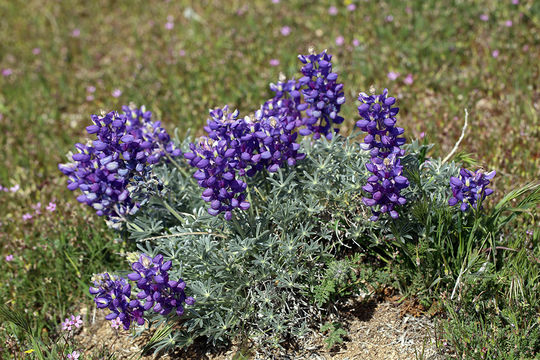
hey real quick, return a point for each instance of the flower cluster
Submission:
(384, 141)
(157, 292)
(70, 322)
(323, 96)
(114, 293)
(470, 188)
(286, 104)
(125, 147)
(235, 148)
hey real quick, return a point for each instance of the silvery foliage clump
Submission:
(256, 276)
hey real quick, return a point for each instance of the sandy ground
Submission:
(376, 330)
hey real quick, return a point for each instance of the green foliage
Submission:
(335, 334)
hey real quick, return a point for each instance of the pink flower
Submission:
(6, 72)
(37, 208)
(115, 323)
(76, 321)
(525, 48)
(422, 135)
(495, 53)
(275, 1)
(274, 62)
(332, 10)
(182, 52)
(484, 17)
(116, 93)
(285, 30)
(90, 98)
(408, 79)
(51, 207)
(14, 188)
(351, 7)
(169, 25)
(74, 355)
(36, 51)
(76, 33)
(389, 18)
(356, 42)
(9, 258)
(515, 2)
(91, 89)
(27, 217)
(392, 75)
(508, 23)
(340, 40)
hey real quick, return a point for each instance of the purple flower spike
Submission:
(470, 188)
(383, 140)
(126, 146)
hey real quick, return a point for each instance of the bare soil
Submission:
(377, 330)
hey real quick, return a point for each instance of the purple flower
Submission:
(27, 217)
(36, 51)
(389, 18)
(274, 62)
(470, 188)
(76, 33)
(495, 54)
(169, 25)
(7, 72)
(356, 42)
(9, 257)
(383, 140)
(323, 96)
(285, 30)
(126, 146)
(484, 17)
(332, 10)
(116, 93)
(158, 292)
(340, 40)
(508, 23)
(351, 7)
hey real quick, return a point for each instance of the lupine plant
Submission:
(275, 214)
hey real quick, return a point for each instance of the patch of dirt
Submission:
(376, 330)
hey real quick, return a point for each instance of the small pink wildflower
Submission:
(27, 217)
(484, 17)
(115, 323)
(525, 48)
(408, 79)
(285, 31)
(515, 2)
(392, 75)
(356, 42)
(508, 23)
(389, 18)
(495, 53)
(76, 33)
(91, 89)
(275, 1)
(351, 7)
(340, 40)
(332, 10)
(36, 51)
(274, 62)
(169, 25)
(9, 257)
(6, 72)
(422, 135)
(74, 355)
(182, 52)
(51, 207)
(37, 208)
(90, 98)
(116, 93)
(14, 188)
(76, 320)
